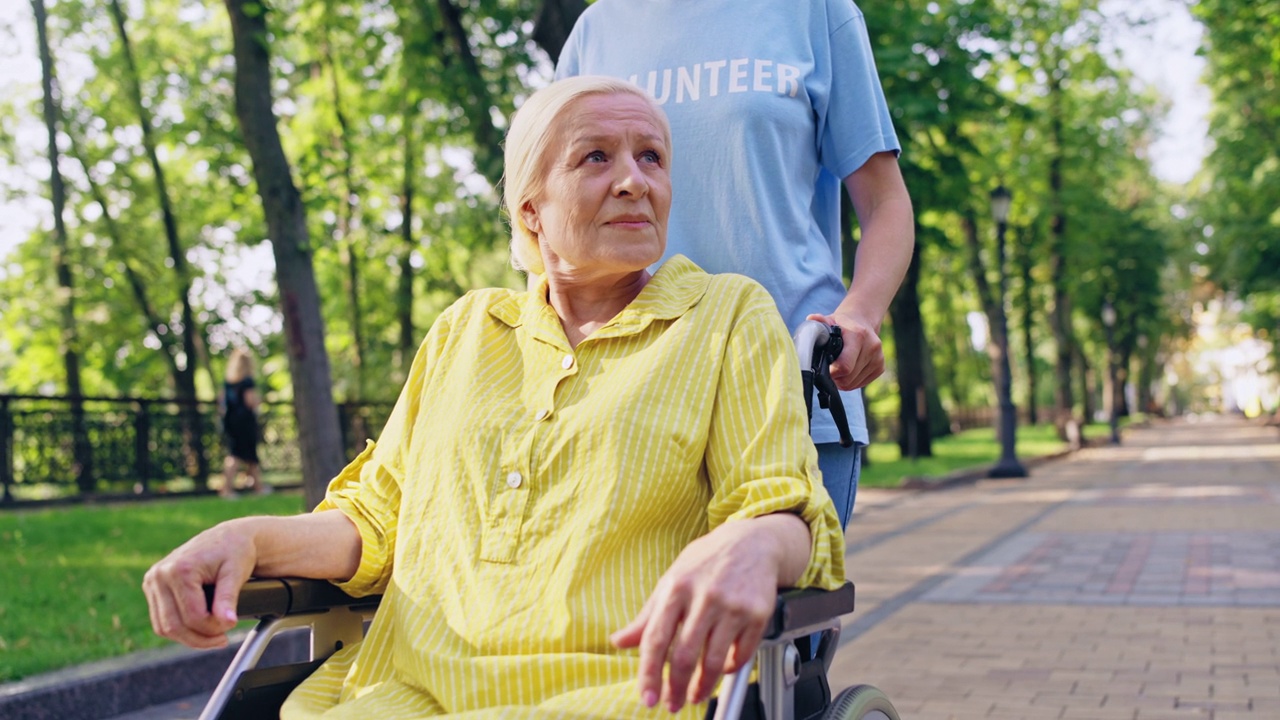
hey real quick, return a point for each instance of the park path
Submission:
(1139, 582)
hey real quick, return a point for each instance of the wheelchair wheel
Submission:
(861, 702)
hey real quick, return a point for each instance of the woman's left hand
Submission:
(707, 614)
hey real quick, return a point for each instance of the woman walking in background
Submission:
(240, 424)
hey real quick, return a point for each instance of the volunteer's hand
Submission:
(862, 359)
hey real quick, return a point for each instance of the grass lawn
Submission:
(968, 449)
(73, 575)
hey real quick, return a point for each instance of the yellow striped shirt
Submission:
(525, 497)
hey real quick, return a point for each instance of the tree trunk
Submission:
(554, 23)
(1061, 316)
(346, 224)
(1088, 387)
(472, 93)
(939, 419)
(1145, 379)
(993, 305)
(1023, 240)
(185, 381)
(319, 436)
(910, 354)
(953, 335)
(1123, 361)
(404, 292)
(82, 451)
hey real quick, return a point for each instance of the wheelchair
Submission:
(789, 668)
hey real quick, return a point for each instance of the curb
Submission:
(107, 688)
(974, 474)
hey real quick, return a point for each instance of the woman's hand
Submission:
(322, 545)
(862, 359)
(223, 556)
(707, 614)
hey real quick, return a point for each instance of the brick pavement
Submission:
(1139, 582)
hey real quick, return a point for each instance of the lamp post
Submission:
(1008, 465)
(1109, 325)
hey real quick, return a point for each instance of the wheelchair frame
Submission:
(336, 620)
(789, 686)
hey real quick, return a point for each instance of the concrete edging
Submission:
(107, 688)
(971, 475)
(115, 686)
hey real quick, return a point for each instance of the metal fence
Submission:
(141, 445)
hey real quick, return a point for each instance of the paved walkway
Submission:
(1139, 582)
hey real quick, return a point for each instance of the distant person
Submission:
(240, 424)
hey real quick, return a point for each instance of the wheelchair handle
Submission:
(818, 345)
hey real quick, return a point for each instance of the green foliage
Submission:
(378, 99)
(1239, 214)
(75, 575)
(971, 87)
(394, 79)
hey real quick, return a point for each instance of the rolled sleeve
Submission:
(369, 495)
(760, 458)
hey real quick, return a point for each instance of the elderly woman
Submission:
(587, 495)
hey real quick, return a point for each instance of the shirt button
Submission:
(514, 480)
(567, 362)
(540, 415)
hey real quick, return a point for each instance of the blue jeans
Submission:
(840, 469)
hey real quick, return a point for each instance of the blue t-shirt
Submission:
(771, 104)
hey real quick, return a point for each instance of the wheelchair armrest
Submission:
(798, 609)
(260, 597)
(279, 597)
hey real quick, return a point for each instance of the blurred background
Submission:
(1096, 185)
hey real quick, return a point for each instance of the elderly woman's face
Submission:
(604, 206)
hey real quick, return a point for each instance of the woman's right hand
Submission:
(222, 556)
(322, 545)
(707, 614)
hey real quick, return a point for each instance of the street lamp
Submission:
(1001, 199)
(1109, 325)
(1008, 465)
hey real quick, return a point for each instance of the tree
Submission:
(70, 338)
(911, 354)
(1022, 257)
(319, 436)
(193, 346)
(1074, 151)
(1237, 212)
(554, 23)
(993, 301)
(928, 67)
